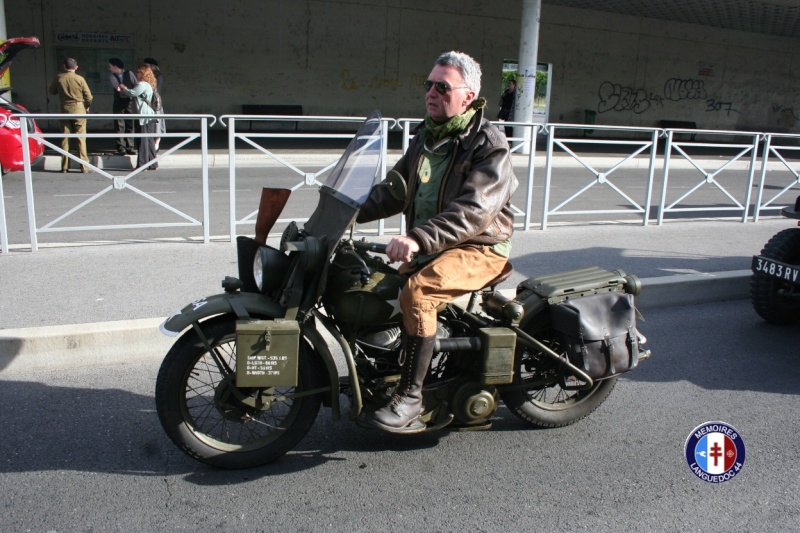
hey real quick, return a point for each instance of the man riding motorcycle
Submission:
(459, 220)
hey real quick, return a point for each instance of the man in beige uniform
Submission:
(75, 98)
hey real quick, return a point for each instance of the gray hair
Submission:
(469, 68)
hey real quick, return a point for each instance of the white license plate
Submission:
(776, 269)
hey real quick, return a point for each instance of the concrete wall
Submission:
(634, 71)
(346, 57)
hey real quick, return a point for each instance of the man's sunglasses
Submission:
(441, 87)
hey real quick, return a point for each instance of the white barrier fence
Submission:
(305, 178)
(712, 178)
(600, 177)
(116, 182)
(634, 151)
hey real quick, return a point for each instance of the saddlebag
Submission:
(599, 332)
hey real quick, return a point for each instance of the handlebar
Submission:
(370, 247)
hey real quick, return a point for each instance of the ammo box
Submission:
(497, 345)
(267, 353)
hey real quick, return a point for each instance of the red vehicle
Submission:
(10, 135)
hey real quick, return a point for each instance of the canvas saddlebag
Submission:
(599, 333)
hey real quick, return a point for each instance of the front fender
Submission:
(242, 304)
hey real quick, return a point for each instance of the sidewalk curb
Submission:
(109, 343)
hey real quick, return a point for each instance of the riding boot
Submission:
(405, 406)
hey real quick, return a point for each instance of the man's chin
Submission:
(438, 118)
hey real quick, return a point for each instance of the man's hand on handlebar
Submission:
(402, 249)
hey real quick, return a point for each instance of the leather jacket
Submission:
(475, 197)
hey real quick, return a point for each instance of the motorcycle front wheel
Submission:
(765, 291)
(548, 404)
(211, 420)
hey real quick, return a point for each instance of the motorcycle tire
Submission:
(550, 406)
(773, 307)
(212, 421)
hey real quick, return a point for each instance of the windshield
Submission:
(349, 183)
(355, 172)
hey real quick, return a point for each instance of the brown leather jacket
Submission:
(475, 197)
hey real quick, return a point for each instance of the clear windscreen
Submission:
(355, 173)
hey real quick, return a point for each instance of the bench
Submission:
(679, 125)
(272, 109)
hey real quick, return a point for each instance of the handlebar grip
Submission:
(370, 247)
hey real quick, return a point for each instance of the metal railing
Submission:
(601, 178)
(306, 178)
(641, 150)
(118, 183)
(771, 149)
(711, 178)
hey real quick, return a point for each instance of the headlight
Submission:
(258, 270)
(269, 269)
(8, 122)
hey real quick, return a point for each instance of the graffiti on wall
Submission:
(715, 105)
(617, 97)
(677, 89)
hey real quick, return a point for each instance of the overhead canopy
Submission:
(774, 17)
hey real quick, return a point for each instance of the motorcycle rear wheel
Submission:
(551, 406)
(212, 421)
(784, 246)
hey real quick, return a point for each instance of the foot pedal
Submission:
(440, 423)
(483, 425)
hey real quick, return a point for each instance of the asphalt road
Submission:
(82, 450)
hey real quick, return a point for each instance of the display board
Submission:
(92, 52)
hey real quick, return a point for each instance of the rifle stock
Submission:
(269, 209)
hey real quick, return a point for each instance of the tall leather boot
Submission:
(399, 415)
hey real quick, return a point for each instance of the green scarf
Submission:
(455, 125)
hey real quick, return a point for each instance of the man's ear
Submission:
(470, 98)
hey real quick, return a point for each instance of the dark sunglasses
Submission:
(441, 87)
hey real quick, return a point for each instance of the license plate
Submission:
(776, 269)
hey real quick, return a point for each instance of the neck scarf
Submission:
(455, 125)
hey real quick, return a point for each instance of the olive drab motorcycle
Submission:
(245, 380)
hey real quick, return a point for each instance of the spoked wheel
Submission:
(212, 420)
(775, 300)
(550, 401)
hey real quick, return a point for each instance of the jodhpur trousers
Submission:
(453, 273)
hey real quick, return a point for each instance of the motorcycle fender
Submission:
(243, 304)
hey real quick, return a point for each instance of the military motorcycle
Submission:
(247, 377)
(775, 282)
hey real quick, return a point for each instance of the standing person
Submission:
(75, 98)
(507, 101)
(121, 76)
(142, 97)
(458, 220)
(162, 125)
